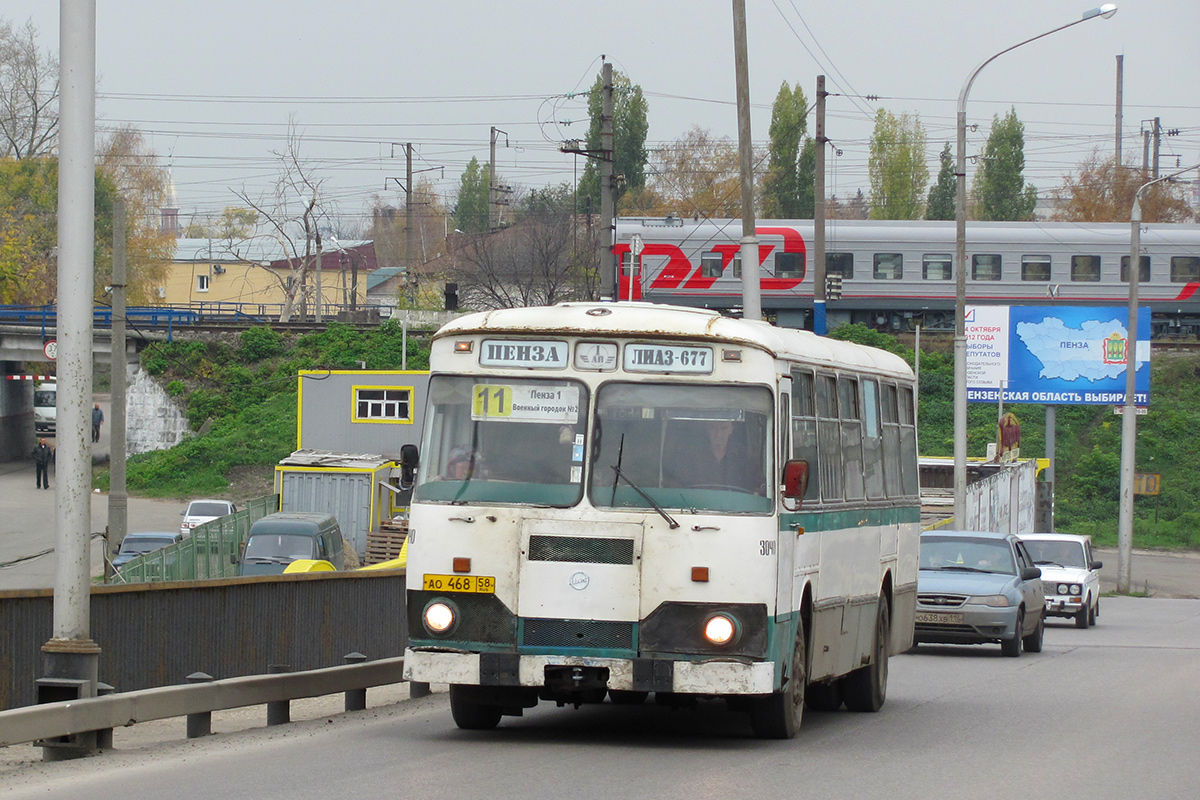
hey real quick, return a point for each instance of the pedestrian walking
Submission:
(97, 418)
(41, 461)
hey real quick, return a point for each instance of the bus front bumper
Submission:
(709, 677)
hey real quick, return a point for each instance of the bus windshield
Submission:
(503, 440)
(684, 446)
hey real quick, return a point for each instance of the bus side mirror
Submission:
(410, 459)
(795, 479)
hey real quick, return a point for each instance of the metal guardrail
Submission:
(192, 314)
(209, 552)
(69, 718)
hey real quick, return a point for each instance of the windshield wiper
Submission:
(1051, 563)
(616, 468)
(963, 569)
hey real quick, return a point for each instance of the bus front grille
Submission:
(577, 634)
(583, 549)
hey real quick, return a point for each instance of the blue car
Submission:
(979, 588)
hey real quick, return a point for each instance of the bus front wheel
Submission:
(778, 715)
(470, 715)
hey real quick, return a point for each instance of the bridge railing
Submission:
(197, 313)
(211, 551)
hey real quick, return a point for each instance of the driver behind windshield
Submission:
(712, 454)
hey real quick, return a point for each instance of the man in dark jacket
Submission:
(41, 460)
(97, 418)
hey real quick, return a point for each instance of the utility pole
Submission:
(70, 658)
(751, 288)
(1120, 105)
(118, 499)
(493, 210)
(1157, 132)
(608, 275)
(819, 323)
(408, 212)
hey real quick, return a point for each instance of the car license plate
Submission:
(939, 618)
(478, 584)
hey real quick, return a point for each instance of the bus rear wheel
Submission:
(865, 689)
(470, 715)
(778, 715)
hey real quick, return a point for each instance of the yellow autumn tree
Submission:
(144, 182)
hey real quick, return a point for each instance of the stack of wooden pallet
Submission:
(384, 544)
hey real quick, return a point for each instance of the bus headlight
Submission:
(720, 629)
(439, 617)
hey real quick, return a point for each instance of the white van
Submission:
(45, 413)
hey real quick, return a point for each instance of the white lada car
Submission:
(1070, 575)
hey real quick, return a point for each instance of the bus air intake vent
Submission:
(582, 549)
(578, 633)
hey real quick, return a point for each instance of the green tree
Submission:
(471, 213)
(943, 195)
(807, 174)
(630, 126)
(29, 230)
(782, 187)
(1000, 189)
(897, 167)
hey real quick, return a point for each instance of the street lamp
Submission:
(960, 282)
(1129, 411)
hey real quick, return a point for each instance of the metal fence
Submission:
(210, 552)
(157, 634)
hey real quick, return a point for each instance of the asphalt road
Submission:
(27, 523)
(1107, 712)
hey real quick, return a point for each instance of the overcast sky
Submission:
(213, 85)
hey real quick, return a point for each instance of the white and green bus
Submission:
(618, 499)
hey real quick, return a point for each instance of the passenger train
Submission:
(896, 275)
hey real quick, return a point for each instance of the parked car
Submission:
(1070, 576)
(199, 512)
(978, 588)
(276, 540)
(136, 544)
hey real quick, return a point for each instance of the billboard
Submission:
(1057, 356)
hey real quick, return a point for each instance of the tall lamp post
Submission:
(960, 278)
(1129, 411)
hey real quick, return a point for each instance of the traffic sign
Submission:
(50, 349)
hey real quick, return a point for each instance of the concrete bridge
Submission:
(20, 345)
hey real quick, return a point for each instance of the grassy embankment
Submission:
(242, 402)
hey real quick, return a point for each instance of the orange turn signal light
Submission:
(462, 565)
(700, 574)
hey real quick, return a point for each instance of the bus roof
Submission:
(651, 320)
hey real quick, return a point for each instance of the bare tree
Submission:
(28, 94)
(290, 216)
(545, 258)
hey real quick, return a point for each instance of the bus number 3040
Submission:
(766, 547)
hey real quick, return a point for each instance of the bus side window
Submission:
(908, 443)
(872, 441)
(851, 424)
(829, 438)
(891, 442)
(804, 430)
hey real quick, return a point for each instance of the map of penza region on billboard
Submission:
(1057, 356)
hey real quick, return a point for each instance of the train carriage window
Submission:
(1185, 269)
(626, 259)
(840, 264)
(737, 266)
(889, 266)
(1035, 268)
(789, 265)
(937, 266)
(986, 267)
(710, 265)
(1143, 269)
(1085, 268)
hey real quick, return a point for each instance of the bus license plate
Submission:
(478, 584)
(939, 618)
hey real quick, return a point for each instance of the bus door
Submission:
(576, 570)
